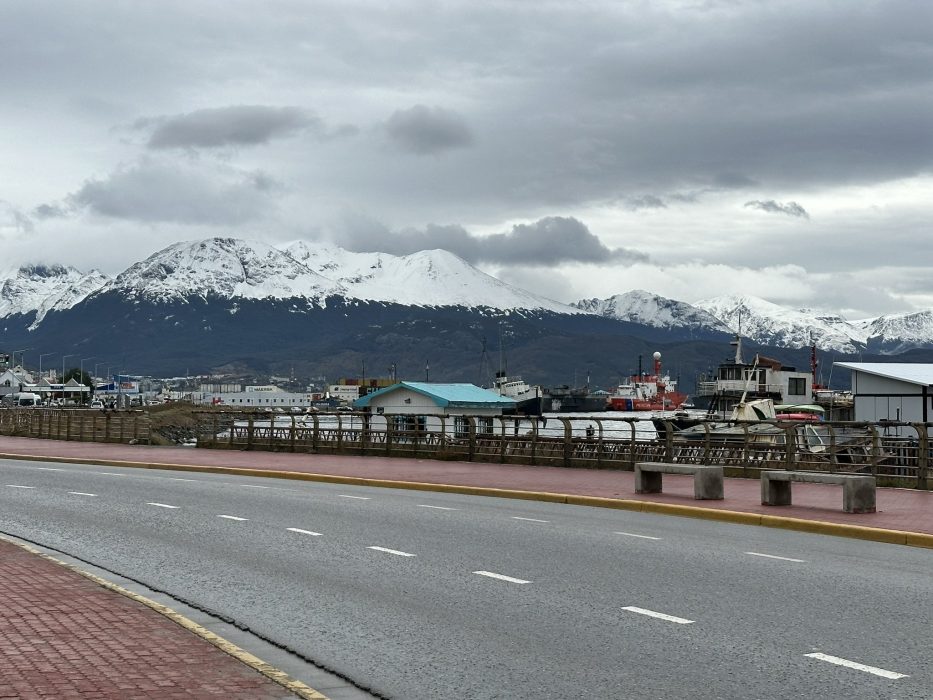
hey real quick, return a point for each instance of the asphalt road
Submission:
(429, 595)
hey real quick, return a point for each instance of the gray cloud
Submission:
(425, 130)
(50, 211)
(238, 125)
(157, 191)
(548, 241)
(11, 218)
(648, 201)
(790, 208)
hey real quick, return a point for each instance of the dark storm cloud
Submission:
(156, 191)
(549, 241)
(425, 130)
(238, 125)
(790, 208)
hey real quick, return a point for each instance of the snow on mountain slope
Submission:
(224, 267)
(639, 306)
(771, 324)
(901, 332)
(426, 278)
(43, 288)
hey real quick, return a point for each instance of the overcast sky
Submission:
(579, 149)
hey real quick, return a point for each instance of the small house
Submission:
(897, 391)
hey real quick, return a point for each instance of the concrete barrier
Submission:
(707, 479)
(858, 490)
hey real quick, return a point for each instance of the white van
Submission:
(25, 399)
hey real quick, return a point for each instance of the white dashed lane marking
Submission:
(81, 493)
(303, 532)
(774, 556)
(17, 486)
(501, 577)
(421, 505)
(161, 505)
(391, 551)
(50, 469)
(232, 517)
(660, 616)
(530, 520)
(641, 537)
(874, 670)
(359, 498)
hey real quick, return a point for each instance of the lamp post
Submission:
(81, 374)
(64, 357)
(45, 354)
(18, 377)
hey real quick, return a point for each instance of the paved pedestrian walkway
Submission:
(62, 635)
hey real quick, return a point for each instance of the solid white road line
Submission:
(857, 666)
(81, 493)
(660, 616)
(774, 556)
(303, 532)
(232, 517)
(501, 577)
(17, 486)
(530, 520)
(641, 537)
(359, 498)
(391, 551)
(421, 505)
(161, 505)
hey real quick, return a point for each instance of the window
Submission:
(796, 386)
(461, 427)
(484, 425)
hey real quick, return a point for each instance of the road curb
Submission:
(859, 532)
(279, 677)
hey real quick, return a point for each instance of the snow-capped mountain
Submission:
(639, 306)
(771, 324)
(900, 332)
(221, 267)
(425, 278)
(42, 288)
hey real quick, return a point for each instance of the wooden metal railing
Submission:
(897, 453)
(83, 425)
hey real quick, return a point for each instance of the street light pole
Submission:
(45, 354)
(81, 374)
(22, 359)
(64, 357)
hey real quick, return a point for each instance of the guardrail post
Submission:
(249, 432)
(923, 454)
(790, 446)
(568, 441)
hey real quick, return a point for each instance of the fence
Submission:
(84, 425)
(898, 454)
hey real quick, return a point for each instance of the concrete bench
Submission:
(858, 491)
(707, 479)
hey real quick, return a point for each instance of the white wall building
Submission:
(898, 391)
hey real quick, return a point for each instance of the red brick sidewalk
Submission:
(64, 636)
